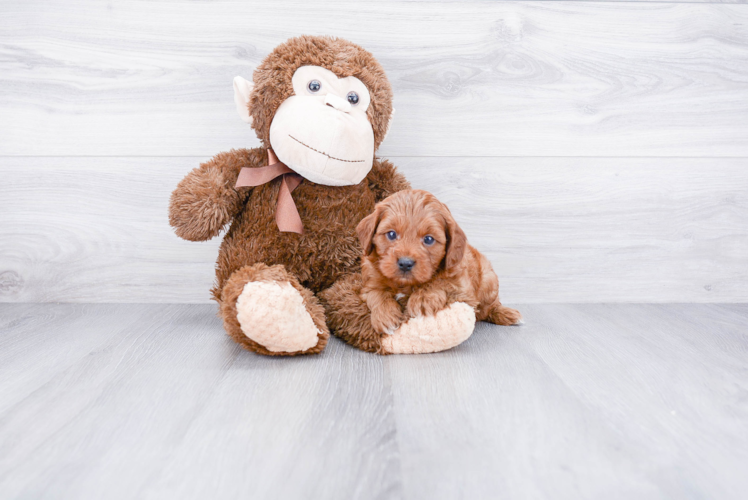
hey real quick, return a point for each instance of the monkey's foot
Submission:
(445, 330)
(267, 311)
(273, 315)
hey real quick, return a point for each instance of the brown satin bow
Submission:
(286, 215)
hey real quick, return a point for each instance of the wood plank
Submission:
(170, 407)
(471, 78)
(311, 427)
(583, 401)
(115, 390)
(601, 229)
(497, 422)
(78, 331)
(97, 230)
(681, 369)
(556, 229)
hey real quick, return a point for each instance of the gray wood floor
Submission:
(584, 401)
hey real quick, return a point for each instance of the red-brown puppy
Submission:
(415, 254)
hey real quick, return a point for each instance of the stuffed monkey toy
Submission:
(321, 106)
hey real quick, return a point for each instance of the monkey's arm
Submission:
(384, 179)
(446, 329)
(205, 200)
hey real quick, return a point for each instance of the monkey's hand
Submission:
(205, 200)
(384, 179)
(448, 328)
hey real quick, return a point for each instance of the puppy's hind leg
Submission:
(490, 308)
(500, 315)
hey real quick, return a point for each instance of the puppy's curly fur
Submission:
(415, 252)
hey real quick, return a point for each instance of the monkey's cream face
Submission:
(322, 131)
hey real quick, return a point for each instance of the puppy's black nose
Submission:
(405, 264)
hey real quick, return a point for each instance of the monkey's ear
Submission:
(389, 124)
(242, 89)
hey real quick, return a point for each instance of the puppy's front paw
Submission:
(426, 303)
(386, 321)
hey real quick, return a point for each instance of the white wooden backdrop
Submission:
(596, 151)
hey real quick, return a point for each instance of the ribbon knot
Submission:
(286, 214)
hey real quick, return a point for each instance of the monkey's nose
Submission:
(338, 103)
(405, 264)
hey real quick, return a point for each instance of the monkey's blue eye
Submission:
(391, 235)
(428, 240)
(314, 86)
(353, 98)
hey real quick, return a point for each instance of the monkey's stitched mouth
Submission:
(323, 153)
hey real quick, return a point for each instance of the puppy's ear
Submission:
(456, 241)
(366, 229)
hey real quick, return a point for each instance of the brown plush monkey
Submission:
(321, 106)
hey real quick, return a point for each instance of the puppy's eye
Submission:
(314, 86)
(353, 98)
(391, 235)
(428, 240)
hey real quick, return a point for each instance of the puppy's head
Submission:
(410, 236)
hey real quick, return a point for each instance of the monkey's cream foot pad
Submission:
(274, 315)
(445, 330)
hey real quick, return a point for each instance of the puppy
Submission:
(417, 261)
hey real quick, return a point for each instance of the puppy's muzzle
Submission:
(405, 264)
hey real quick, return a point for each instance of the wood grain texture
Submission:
(584, 401)
(96, 230)
(556, 229)
(588, 401)
(470, 78)
(167, 406)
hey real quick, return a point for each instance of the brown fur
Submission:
(448, 271)
(205, 201)
(341, 57)
(348, 317)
